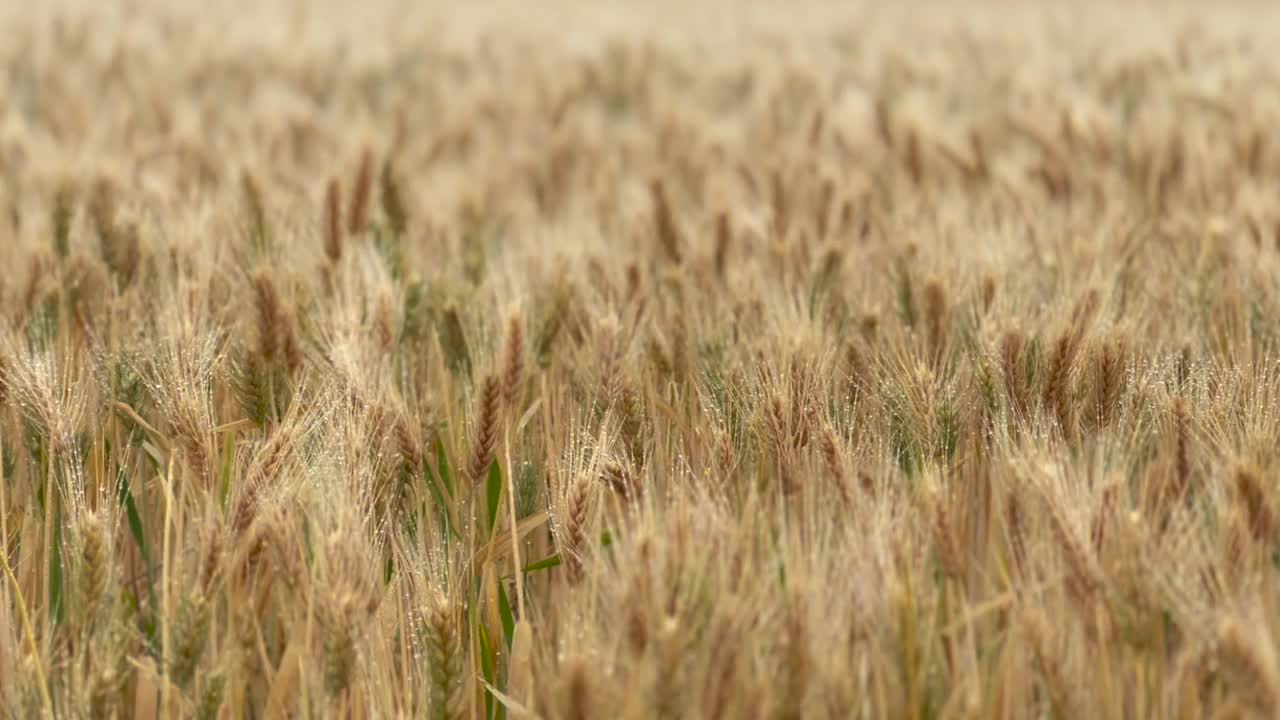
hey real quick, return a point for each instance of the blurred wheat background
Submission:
(639, 360)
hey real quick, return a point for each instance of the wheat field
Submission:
(639, 360)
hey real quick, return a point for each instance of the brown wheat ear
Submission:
(665, 222)
(621, 481)
(277, 339)
(833, 457)
(409, 452)
(484, 442)
(392, 197)
(513, 363)
(102, 208)
(408, 447)
(64, 200)
(1013, 361)
(1257, 506)
(724, 240)
(361, 190)
(1181, 421)
(333, 221)
(914, 159)
(1058, 382)
(987, 293)
(935, 313)
(270, 316)
(1109, 380)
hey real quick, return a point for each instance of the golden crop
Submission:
(639, 360)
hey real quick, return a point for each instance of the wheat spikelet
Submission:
(797, 665)
(987, 293)
(1250, 668)
(109, 671)
(935, 314)
(190, 633)
(211, 561)
(784, 439)
(857, 372)
(621, 481)
(822, 209)
(251, 190)
(1050, 664)
(453, 340)
(106, 685)
(914, 159)
(333, 237)
(611, 357)
(361, 190)
(5, 373)
(350, 598)
(1258, 508)
(1083, 315)
(485, 436)
(634, 426)
(899, 373)
(1181, 420)
(393, 201)
(1085, 579)
(1108, 381)
(409, 452)
(103, 208)
(513, 362)
(1057, 387)
(669, 238)
(63, 209)
(1012, 359)
(574, 534)
(339, 648)
(118, 242)
(270, 317)
(384, 323)
(211, 697)
(950, 555)
(833, 458)
(123, 252)
(883, 121)
(97, 563)
(1098, 533)
(444, 653)
(408, 447)
(724, 242)
(520, 680)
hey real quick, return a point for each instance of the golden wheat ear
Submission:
(1250, 666)
(445, 652)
